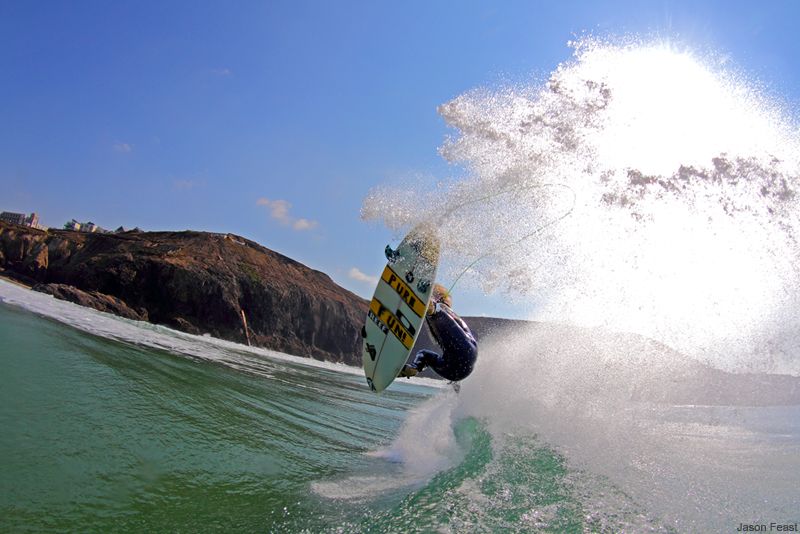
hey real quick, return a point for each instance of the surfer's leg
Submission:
(423, 359)
(407, 372)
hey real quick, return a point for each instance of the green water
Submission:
(102, 436)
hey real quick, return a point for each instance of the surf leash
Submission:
(523, 238)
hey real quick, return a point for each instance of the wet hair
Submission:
(442, 294)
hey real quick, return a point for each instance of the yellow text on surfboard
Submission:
(391, 321)
(405, 292)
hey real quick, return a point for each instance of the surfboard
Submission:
(397, 308)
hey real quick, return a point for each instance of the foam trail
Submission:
(425, 445)
(680, 184)
(615, 406)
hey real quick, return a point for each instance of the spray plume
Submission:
(638, 189)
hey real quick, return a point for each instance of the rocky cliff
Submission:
(195, 282)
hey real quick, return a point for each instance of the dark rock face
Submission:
(91, 299)
(23, 250)
(195, 282)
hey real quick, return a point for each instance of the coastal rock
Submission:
(23, 250)
(91, 299)
(195, 282)
(36, 262)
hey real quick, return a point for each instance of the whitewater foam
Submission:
(589, 395)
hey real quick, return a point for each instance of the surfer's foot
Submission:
(407, 371)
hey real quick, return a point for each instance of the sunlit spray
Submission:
(639, 188)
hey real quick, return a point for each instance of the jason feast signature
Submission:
(767, 527)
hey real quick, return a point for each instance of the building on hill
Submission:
(89, 227)
(73, 225)
(21, 219)
(13, 218)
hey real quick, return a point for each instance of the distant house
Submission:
(89, 227)
(13, 218)
(21, 219)
(123, 230)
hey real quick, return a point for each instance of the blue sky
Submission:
(273, 120)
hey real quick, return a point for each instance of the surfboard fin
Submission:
(391, 255)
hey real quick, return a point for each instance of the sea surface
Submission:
(109, 425)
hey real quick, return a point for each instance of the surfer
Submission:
(451, 333)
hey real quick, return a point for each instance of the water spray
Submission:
(524, 238)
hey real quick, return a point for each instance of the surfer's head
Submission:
(441, 294)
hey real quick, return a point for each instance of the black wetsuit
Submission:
(459, 348)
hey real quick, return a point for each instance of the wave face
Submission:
(640, 188)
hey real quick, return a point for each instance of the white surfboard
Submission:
(398, 306)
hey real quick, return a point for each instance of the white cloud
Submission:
(221, 72)
(279, 210)
(123, 147)
(304, 224)
(356, 274)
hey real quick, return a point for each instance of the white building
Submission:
(89, 227)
